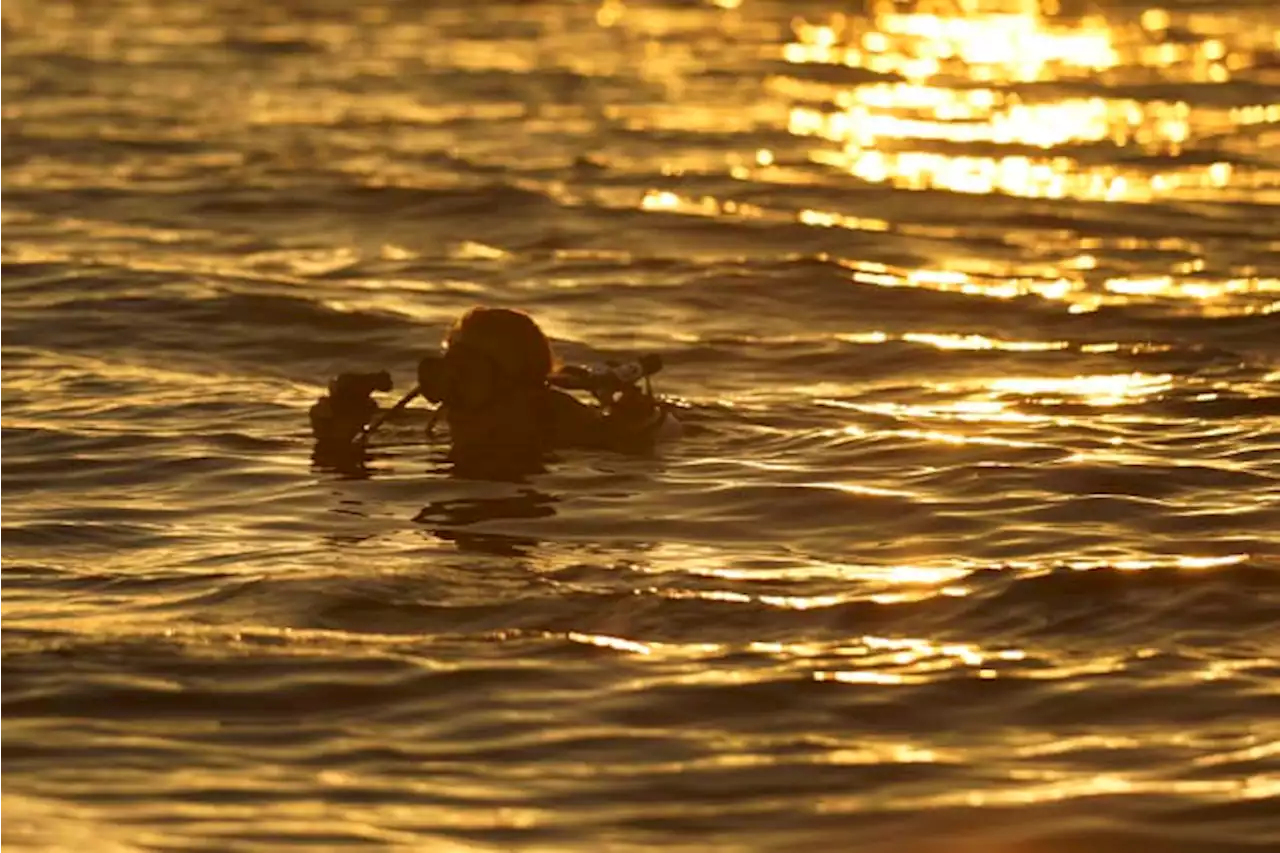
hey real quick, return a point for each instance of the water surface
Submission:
(970, 310)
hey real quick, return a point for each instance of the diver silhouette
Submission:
(502, 394)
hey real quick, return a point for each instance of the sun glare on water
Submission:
(955, 101)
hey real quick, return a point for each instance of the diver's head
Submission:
(510, 340)
(492, 356)
(492, 381)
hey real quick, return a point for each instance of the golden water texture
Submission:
(969, 308)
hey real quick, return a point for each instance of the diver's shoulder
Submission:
(562, 402)
(574, 423)
(630, 430)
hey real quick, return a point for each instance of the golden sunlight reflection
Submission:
(981, 342)
(895, 753)
(709, 561)
(897, 661)
(1099, 390)
(608, 642)
(936, 436)
(994, 400)
(1068, 282)
(949, 105)
(858, 489)
(1044, 785)
(868, 677)
(904, 594)
(1251, 753)
(939, 340)
(1184, 562)
(1069, 285)
(958, 411)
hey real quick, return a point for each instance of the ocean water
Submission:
(970, 310)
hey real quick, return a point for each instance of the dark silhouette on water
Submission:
(448, 519)
(493, 384)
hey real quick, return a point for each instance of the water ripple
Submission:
(968, 309)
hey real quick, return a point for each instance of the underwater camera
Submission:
(459, 377)
(348, 388)
(606, 381)
(340, 414)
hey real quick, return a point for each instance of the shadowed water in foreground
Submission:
(969, 310)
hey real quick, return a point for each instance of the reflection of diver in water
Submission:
(500, 392)
(446, 518)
